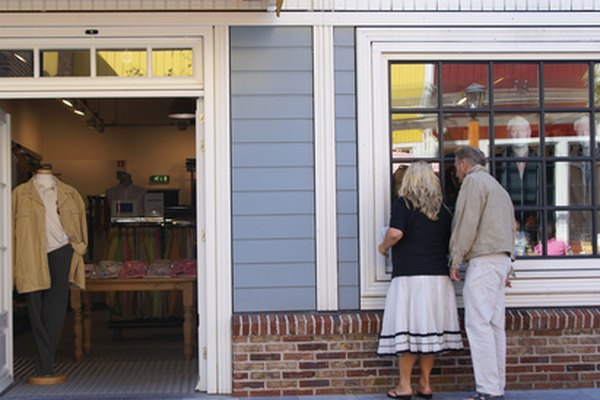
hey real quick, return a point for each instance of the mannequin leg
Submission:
(48, 309)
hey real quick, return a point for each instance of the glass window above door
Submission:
(100, 62)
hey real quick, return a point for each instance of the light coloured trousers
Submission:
(483, 296)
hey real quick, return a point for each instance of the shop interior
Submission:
(99, 146)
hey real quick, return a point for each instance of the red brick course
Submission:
(335, 353)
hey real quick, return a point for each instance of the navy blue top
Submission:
(423, 250)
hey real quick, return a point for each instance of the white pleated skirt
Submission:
(420, 316)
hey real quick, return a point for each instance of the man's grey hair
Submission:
(472, 154)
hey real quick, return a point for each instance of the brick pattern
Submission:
(315, 353)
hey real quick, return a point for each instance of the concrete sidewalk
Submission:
(562, 394)
(559, 394)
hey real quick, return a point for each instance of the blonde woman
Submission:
(420, 318)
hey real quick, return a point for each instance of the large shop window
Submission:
(538, 122)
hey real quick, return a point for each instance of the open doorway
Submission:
(136, 340)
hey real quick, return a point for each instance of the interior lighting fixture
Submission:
(68, 103)
(183, 109)
(79, 112)
(20, 58)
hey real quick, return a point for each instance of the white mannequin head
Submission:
(519, 128)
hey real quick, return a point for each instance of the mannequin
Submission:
(126, 190)
(49, 243)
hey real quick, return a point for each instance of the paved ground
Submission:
(570, 394)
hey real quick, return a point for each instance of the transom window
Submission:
(111, 61)
(538, 122)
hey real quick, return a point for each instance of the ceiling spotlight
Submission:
(183, 108)
(68, 103)
(79, 112)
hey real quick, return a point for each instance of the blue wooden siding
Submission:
(347, 203)
(273, 212)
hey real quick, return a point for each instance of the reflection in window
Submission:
(566, 84)
(412, 86)
(15, 63)
(65, 63)
(172, 62)
(122, 63)
(545, 153)
(414, 135)
(516, 85)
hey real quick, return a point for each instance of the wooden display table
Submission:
(82, 325)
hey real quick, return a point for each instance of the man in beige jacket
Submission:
(483, 241)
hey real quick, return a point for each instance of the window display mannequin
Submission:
(49, 242)
(522, 180)
(126, 190)
(580, 183)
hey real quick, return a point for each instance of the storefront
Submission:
(301, 121)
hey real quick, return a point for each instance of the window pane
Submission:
(566, 85)
(597, 84)
(575, 228)
(172, 62)
(567, 134)
(14, 63)
(522, 180)
(465, 85)
(65, 63)
(577, 177)
(528, 232)
(122, 63)
(516, 85)
(517, 135)
(413, 86)
(414, 135)
(565, 231)
(464, 129)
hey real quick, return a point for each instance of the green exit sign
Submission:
(159, 179)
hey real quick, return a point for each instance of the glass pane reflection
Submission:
(65, 63)
(16, 63)
(516, 85)
(566, 85)
(172, 62)
(522, 180)
(457, 77)
(568, 133)
(414, 135)
(463, 129)
(528, 233)
(122, 63)
(517, 135)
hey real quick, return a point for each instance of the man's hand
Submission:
(455, 274)
(383, 250)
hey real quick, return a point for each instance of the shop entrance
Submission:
(132, 339)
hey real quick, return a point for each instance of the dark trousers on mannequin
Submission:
(47, 309)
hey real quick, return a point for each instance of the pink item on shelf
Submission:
(184, 268)
(133, 269)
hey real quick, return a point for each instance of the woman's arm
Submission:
(392, 236)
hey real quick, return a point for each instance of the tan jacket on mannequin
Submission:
(30, 259)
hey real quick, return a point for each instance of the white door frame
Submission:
(6, 324)
(212, 160)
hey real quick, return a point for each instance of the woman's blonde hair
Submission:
(422, 188)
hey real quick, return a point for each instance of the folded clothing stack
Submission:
(159, 268)
(108, 269)
(184, 268)
(133, 269)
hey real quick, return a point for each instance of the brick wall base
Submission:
(316, 353)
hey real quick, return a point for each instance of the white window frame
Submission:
(564, 282)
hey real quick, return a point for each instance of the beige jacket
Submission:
(484, 219)
(30, 259)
